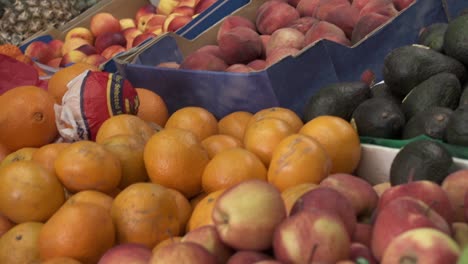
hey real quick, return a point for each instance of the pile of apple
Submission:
(284, 27)
(342, 220)
(108, 35)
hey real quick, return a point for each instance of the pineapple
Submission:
(23, 18)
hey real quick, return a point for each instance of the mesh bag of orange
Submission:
(92, 98)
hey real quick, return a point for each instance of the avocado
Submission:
(433, 36)
(421, 160)
(382, 90)
(464, 95)
(457, 128)
(378, 117)
(337, 99)
(431, 122)
(406, 67)
(442, 89)
(456, 39)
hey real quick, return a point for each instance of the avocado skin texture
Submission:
(421, 160)
(431, 122)
(379, 117)
(406, 67)
(442, 89)
(382, 90)
(337, 99)
(456, 39)
(457, 128)
(433, 36)
(464, 95)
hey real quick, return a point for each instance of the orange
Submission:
(20, 244)
(176, 159)
(217, 143)
(281, 113)
(298, 159)
(82, 231)
(5, 224)
(262, 136)
(124, 125)
(20, 154)
(339, 139)
(166, 242)
(57, 85)
(152, 107)
(195, 200)
(145, 213)
(93, 197)
(184, 209)
(27, 118)
(194, 119)
(28, 192)
(47, 154)
(201, 214)
(61, 260)
(234, 124)
(231, 167)
(129, 150)
(86, 165)
(291, 194)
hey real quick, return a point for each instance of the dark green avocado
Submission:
(379, 117)
(431, 122)
(456, 39)
(433, 36)
(382, 90)
(421, 160)
(406, 67)
(337, 99)
(457, 128)
(464, 95)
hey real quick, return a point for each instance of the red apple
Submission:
(247, 257)
(130, 34)
(208, 237)
(165, 7)
(313, 236)
(109, 39)
(400, 215)
(126, 253)
(95, 59)
(183, 252)
(145, 10)
(56, 46)
(73, 44)
(127, 23)
(40, 51)
(360, 251)
(184, 11)
(80, 32)
(247, 214)
(55, 62)
(87, 49)
(175, 21)
(203, 5)
(456, 187)
(362, 234)
(422, 245)
(111, 51)
(155, 23)
(142, 37)
(73, 56)
(104, 23)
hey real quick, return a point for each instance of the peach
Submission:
(329, 200)
(402, 4)
(80, 32)
(382, 7)
(358, 191)
(240, 45)
(175, 21)
(203, 5)
(313, 236)
(152, 22)
(127, 23)
(366, 24)
(400, 215)
(285, 38)
(239, 68)
(188, 3)
(247, 257)
(142, 37)
(456, 186)
(427, 191)
(303, 24)
(184, 11)
(208, 237)
(293, 2)
(359, 4)
(231, 22)
(279, 54)
(95, 59)
(73, 56)
(203, 61)
(362, 234)
(343, 16)
(73, 44)
(326, 30)
(104, 23)
(144, 10)
(212, 49)
(111, 51)
(306, 8)
(87, 49)
(360, 251)
(169, 64)
(56, 46)
(55, 62)
(257, 65)
(275, 15)
(247, 214)
(422, 245)
(40, 51)
(108, 39)
(130, 34)
(126, 253)
(183, 252)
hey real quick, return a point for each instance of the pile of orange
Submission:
(148, 178)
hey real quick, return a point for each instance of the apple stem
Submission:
(408, 260)
(312, 253)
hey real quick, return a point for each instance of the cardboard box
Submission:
(288, 83)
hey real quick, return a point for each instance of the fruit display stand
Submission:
(288, 83)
